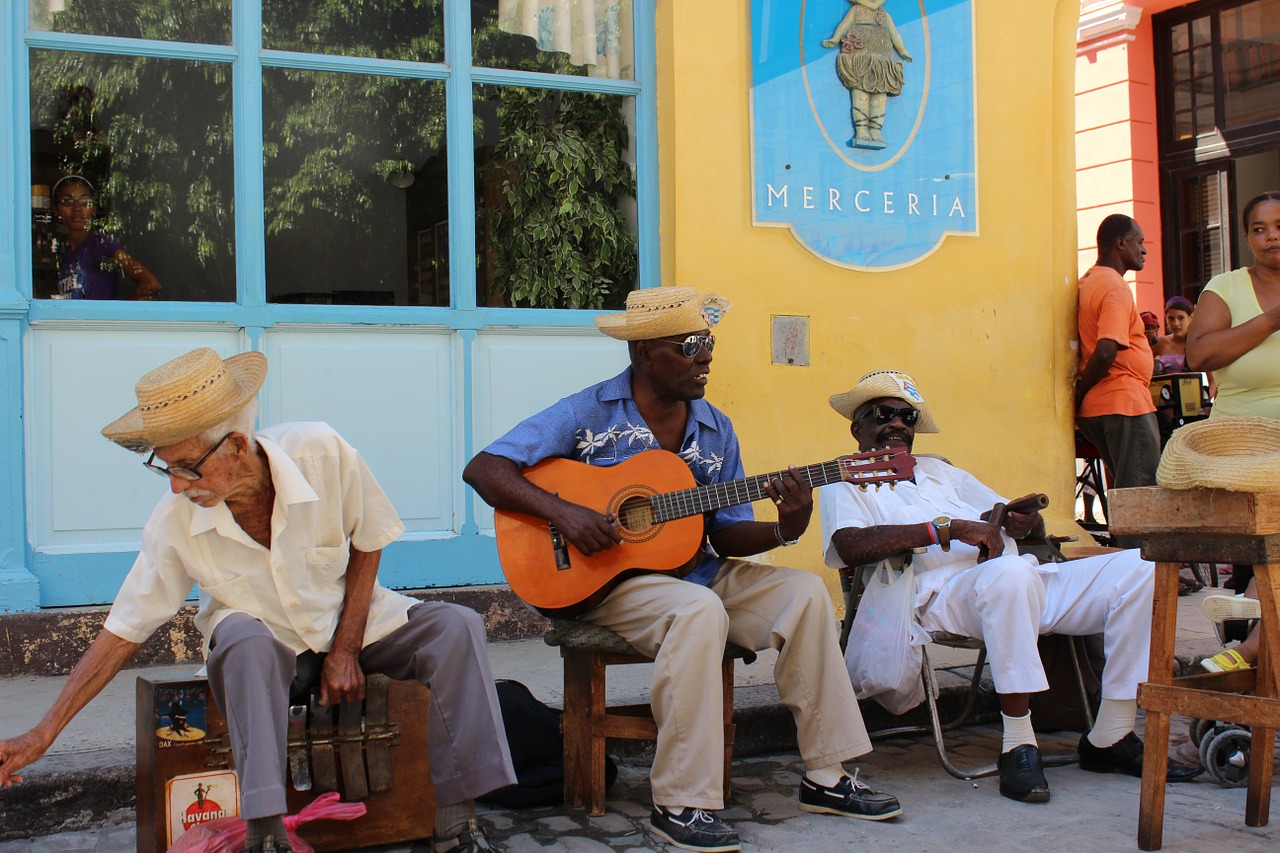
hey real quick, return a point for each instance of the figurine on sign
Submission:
(866, 66)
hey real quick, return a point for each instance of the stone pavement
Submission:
(1088, 812)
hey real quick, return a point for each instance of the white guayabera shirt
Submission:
(326, 502)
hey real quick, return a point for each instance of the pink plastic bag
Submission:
(226, 834)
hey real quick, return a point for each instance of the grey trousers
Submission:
(1130, 448)
(442, 646)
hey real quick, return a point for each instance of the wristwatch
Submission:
(943, 525)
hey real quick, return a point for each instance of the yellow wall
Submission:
(985, 323)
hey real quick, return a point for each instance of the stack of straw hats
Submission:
(1237, 454)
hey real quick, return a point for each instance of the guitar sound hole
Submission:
(636, 514)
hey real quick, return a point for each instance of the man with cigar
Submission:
(1007, 600)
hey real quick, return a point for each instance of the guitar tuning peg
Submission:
(862, 487)
(891, 485)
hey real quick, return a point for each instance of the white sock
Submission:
(827, 777)
(1115, 720)
(1017, 732)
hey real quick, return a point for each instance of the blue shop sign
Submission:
(862, 126)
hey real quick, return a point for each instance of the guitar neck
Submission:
(716, 496)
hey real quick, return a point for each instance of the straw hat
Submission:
(660, 311)
(885, 383)
(1238, 454)
(186, 396)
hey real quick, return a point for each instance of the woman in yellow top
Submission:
(1235, 336)
(1234, 333)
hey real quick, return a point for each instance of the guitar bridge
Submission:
(559, 549)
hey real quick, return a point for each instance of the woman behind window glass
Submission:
(90, 261)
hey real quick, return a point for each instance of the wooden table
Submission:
(1205, 526)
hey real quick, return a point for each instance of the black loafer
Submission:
(849, 798)
(1125, 756)
(1022, 775)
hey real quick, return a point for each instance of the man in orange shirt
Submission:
(1113, 398)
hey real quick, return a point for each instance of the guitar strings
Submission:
(715, 496)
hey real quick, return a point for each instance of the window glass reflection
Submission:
(1251, 62)
(411, 30)
(356, 189)
(149, 209)
(578, 37)
(199, 21)
(555, 198)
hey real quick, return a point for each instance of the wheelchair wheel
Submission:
(1197, 729)
(1226, 756)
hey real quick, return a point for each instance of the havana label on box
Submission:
(195, 798)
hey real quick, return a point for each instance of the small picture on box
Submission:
(180, 713)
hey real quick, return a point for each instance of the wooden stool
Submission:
(587, 649)
(1199, 526)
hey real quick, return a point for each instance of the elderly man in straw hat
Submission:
(683, 623)
(282, 529)
(1007, 601)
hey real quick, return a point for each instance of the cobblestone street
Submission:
(1088, 812)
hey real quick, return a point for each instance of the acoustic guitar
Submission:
(657, 507)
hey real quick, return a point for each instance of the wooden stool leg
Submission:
(576, 726)
(1164, 613)
(730, 730)
(595, 758)
(1257, 807)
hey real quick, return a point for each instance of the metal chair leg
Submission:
(938, 727)
(1077, 648)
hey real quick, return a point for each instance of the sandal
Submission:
(1220, 608)
(1227, 660)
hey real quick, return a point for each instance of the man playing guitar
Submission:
(684, 622)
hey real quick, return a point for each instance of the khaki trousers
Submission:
(683, 627)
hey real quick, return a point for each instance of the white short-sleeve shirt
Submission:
(326, 501)
(939, 489)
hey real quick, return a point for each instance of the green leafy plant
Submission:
(561, 238)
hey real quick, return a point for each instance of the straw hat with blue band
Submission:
(658, 312)
(885, 383)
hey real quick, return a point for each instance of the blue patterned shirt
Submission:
(601, 425)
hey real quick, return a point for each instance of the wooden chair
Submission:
(851, 583)
(587, 722)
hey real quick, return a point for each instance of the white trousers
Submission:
(1007, 603)
(684, 627)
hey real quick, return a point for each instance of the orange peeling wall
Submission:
(1116, 147)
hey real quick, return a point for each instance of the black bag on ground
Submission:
(537, 750)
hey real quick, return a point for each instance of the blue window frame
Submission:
(252, 65)
(88, 569)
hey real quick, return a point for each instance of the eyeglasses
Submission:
(885, 414)
(183, 472)
(693, 344)
(77, 202)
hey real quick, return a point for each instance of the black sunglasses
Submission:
(183, 472)
(884, 414)
(693, 344)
